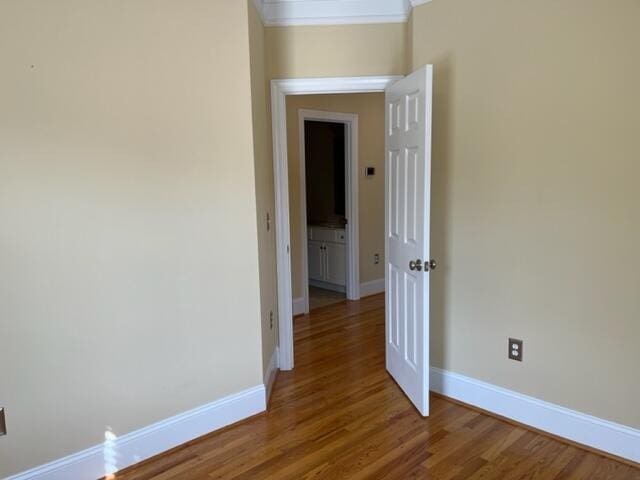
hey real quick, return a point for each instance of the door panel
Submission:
(407, 190)
(316, 270)
(336, 263)
(393, 305)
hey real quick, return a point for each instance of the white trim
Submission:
(350, 121)
(279, 90)
(416, 3)
(271, 373)
(594, 432)
(282, 13)
(299, 306)
(334, 12)
(335, 20)
(371, 288)
(139, 445)
(321, 85)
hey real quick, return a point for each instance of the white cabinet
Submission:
(335, 257)
(327, 258)
(316, 260)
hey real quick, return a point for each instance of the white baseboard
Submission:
(298, 306)
(594, 432)
(372, 287)
(136, 446)
(271, 373)
(328, 286)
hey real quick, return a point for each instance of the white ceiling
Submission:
(334, 12)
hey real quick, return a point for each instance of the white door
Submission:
(316, 260)
(407, 199)
(336, 263)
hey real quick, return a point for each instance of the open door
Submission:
(407, 209)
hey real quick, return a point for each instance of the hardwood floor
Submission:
(339, 415)
(321, 297)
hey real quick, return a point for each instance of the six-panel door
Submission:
(407, 196)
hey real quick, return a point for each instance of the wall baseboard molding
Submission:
(271, 373)
(328, 286)
(131, 448)
(298, 306)
(372, 287)
(159, 437)
(603, 435)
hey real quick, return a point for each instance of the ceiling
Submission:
(334, 12)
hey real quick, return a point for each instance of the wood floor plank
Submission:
(338, 415)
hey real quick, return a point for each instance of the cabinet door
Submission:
(335, 263)
(316, 254)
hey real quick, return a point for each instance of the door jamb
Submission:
(279, 90)
(350, 122)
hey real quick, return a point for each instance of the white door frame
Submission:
(350, 122)
(279, 90)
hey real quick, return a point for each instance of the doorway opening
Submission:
(280, 89)
(328, 207)
(324, 166)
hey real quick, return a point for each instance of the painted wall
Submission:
(128, 252)
(265, 196)
(337, 50)
(370, 110)
(535, 196)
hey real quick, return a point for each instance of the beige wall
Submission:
(535, 196)
(128, 252)
(343, 50)
(265, 199)
(370, 110)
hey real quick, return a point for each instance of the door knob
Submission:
(417, 265)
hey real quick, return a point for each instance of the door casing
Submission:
(279, 90)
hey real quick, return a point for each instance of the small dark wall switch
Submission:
(515, 349)
(3, 423)
(369, 171)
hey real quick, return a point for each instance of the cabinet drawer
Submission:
(320, 234)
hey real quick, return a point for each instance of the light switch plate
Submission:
(3, 423)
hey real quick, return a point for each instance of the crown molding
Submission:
(334, 12)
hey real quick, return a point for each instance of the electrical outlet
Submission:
(3, 423)
(271, 320)
(515, 349)
(376, 259)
